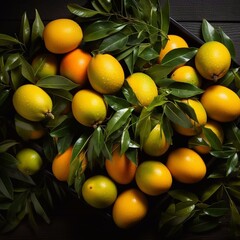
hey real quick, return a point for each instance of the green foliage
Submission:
(133, 31)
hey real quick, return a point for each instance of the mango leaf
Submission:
(6, 145)
(101, 29)
(158, 101)
(37, 27)
(97, 140)
(176, 115)
(118, 120)
(204, 225)
(229, 77)
(113, 42)
(184, 209)
(56, 82)
(132, 154)
(106, 5)
(179, 56)
(82, 12)
(234, 192)
(209, 33)
(6, 40)
(210, 191)
(212, 138)
(7, 160)
(183, 195)
(6, 187)
(235, 218)
(131, 59)
(65, 94)
(159, 72)
(27, 70)
(232, 164)
(147, 53)
(232, 133)
(129, 94)
(164, 22)
(38, 208)
(217, 209)
(227, 41)
(25, 30)
(116, 103)
(184, 90)
(125, 140)
(13, 61)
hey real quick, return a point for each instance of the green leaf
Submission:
(232, 132)
(105, 4)
(113, 42)
(227, 41)
(212, 138)
(125, 140)
(210, 191)
(7, 144)
(101, 29)
(82, 12)
(235, 218)
(184, 209)
(116, 103)
(38, 208)
(229, 77)
(184, 90)
(209, 32)
(183, 195)
(6, 187)
(13, 61)
(204, 225)
(37, 27)
(118, 120)
(232, 163)
(217, 209)
(165, 21)
(27, 70)
(25, 30)
(179, 56)
(7, 160)
(64, 94)
(56, 82)
(131, 59)
(176, 115)
(159, 72)
(6, 40)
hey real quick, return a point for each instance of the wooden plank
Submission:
(214, 10)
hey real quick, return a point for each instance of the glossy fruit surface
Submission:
(156, 143)
(29, 161)
(45, 64)
(62, 35)
(130, 207)
(143, 87)
(105, 74)
(89, 108)
(99, 191)
(186, 165)
(221, 103)
(153, 177)
(174, 41)
(74, 66)
(213, 60)
(187, 74)
(119, 167)
(32, 102)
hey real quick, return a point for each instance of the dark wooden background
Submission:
(71, 220)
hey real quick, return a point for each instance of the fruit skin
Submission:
(105, 74)
(121, 169)
(61, 164)
(187, 74)
(143, 87)
(201, 117)
(217, 129)
(186, 165)
(89, 108)
(153, 178)
(29, 130)
(221, 103)
(212, 60)
(130, 207)
(74, 66)
(29, 161)
(45, 64)
(32, 102)
(62, 35)
(156, 144)
(174, 41)
(99, 191)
